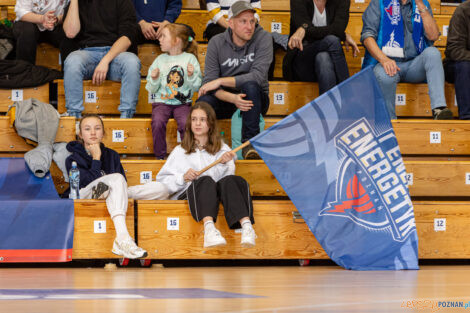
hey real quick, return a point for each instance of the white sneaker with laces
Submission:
(248, 237)
(128, 249)
(213, 238)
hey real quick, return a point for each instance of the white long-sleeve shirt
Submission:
(39, 7)
(178, 163)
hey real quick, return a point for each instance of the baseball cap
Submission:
(239, 7)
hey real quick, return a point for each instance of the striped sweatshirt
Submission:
(219, 8)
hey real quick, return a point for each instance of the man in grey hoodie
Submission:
(236, 71)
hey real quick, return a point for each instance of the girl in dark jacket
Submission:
(102, 177)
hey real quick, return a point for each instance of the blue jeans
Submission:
(81, 64)
(458, 73)
(426, 67)
(323, 61)
(250, 119)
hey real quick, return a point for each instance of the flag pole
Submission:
(243, 145)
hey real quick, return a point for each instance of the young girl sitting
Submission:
(202, 146)
(172, 79)
(102, 177)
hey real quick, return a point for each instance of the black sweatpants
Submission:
(28, 36)
(204, 195)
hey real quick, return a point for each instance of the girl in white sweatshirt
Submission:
(202, 146)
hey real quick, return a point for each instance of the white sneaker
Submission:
(128, 249)
(248, 237)
(213, 238)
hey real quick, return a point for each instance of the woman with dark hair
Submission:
(317, 28)
(202, 146)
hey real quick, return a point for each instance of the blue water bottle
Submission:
(74, 181)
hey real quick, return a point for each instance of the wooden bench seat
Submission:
(285, 98)
(428, 177)
(8, 96)
(94, 230)
(282, 235)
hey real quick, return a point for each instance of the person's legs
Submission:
(428, 67)
(459, 74)
(125, 68)
(250, 119)
(27, 36)
(222, 109)
(149, 191)
(56, 38)
(388, 85)
(303, 65)
(204, 206)
(181, 113)
(212, 30)
(79, 65)
(160, 115)
(234, 193)
(332, 45)
(116, 202)
(325, 71)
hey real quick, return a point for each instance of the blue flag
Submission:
(339, 162)
(35, 224)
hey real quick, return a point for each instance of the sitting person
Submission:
(153, 16)
(457, 61)
(38, 21)
(398, 36)
(315, 53)
(172, 79)
(102, 177)
(102, 53)
(236, 72)
(202, 146)
(218, 12)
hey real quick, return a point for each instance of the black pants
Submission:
(458, 73)
(322, 61)
(250, 119)
(204, 195)
(28, 36)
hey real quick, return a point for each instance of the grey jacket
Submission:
(248, 63)
(37, 121)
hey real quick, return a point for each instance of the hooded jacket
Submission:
(248, 63)
(90, 169)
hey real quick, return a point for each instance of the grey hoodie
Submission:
(248, 63)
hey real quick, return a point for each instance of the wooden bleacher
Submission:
(8, 96)
(435, 169)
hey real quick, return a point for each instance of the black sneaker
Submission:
(249, 153)
(442, 113)
(98, 190)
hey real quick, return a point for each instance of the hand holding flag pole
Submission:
(243, 145)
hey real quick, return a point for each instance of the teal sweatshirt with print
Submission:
(173, 85)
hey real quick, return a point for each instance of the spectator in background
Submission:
(218, 12)
(457, 61)
(236, 72)
(315, 52)
(153, 16)
(103, 30)
(399, 36)
(38, 21)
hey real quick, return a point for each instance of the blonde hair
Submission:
(186, 34)
(84, 117)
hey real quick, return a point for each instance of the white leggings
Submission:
(119, 193)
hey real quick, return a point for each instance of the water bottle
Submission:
(74, 181)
